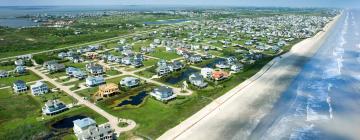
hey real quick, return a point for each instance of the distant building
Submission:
(39, 88)
(163, 93)
(94, 81)
(19, 86)
(130, 82)
(53, 107)
(86, 129)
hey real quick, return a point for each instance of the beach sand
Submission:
(235, 114)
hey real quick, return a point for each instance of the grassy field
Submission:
(163, 54)
(29, 77)
(148, 73)
(20, 117)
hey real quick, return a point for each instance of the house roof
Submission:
(19, 83)
(163, 89)
(85, 122)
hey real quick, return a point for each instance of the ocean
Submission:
(323, 101)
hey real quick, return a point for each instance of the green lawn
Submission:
(56, 75)
(112, 72)
(161, 53)
(148, 73)
(87, 92)
(29, 77)
(7, 68)
(20, 117)
(150, 62)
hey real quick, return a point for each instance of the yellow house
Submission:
(107, 90)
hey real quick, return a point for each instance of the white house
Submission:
(129, 82)
(94, 81)
(39, 88)
(197, 80)
(87, 129)
(206, 72)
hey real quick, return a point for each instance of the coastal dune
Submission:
(235, 114)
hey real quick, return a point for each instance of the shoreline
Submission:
(244, 105)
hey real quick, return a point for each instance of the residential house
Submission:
(194, 59)
(87, 129)
(126, 60)
(219, 75)
(136, 63)
(19, 86)
(176, 66)
(95, 69)
(163, 93)
(130, 82)
(206, 72)
(94, 81)
(107, 90)
(75, 72)
(47, 63)
(222, 65)
(53, 107)
(4, 74)
(19, 62)
(231, 60)
(236, 67)
(20, 69)
(162, 70)
(56, 67)
(39, 88)
(197, 80)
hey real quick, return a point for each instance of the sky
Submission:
(272, 3)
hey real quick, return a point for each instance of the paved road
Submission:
(113, 121)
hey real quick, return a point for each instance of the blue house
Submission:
(75, 72)
(4, 74)
(53, 107)
(163, 93)
(19, 86)
(130, 82)
(95, 69)
(94, 81)
(20, 69)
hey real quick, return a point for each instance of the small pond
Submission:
(66, 123)
(182, 76)
(134, 100)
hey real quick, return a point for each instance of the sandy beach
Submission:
(235, 114)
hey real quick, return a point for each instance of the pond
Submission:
(134, 100)
(214, 62)
(170, 21)
(180, 77)
(66, 123)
